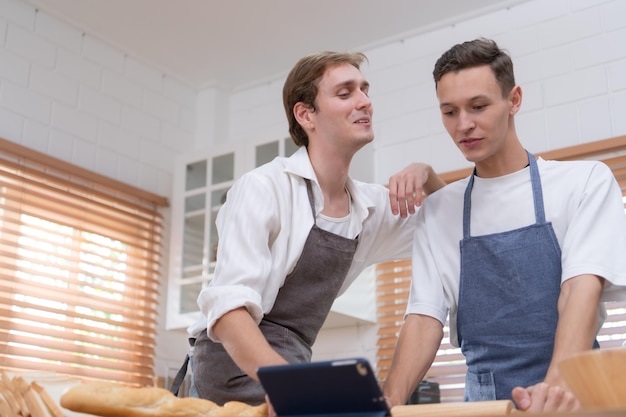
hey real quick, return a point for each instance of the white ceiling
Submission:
(234, 43)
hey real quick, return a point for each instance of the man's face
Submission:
(474, 112)
(344, 110)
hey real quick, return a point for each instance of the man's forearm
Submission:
(577, 326)
(419, 340)
(245, 343)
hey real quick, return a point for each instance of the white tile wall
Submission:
(112, 137)
(141, 123)
(257, 110)
(60, 145)
(616, 73)
(562, 124)
(30, 46)
(35, 135)
(618, 111)
(106, 108)
(161, 107)
(12, 67)
(25, 102)
(10, 124)
(103, 54)
(595, 119)
(73, 121)
(58, 32)
(121, 88)
(19, 13)
(613, 15)
(50, 84)
(67, 93)
(80, 69)
(143, 75)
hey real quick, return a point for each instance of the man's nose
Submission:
(465, 121)
(364, 101)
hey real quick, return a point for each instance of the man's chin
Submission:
(471, 156)
(366, 138)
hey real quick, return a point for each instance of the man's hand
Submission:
(542, 397)
(407, 187)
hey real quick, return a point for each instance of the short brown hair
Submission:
(302, 82)
(476, 53)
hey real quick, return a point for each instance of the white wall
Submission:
(67, 94)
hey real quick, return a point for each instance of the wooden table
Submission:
(498, 408)
(461, 409)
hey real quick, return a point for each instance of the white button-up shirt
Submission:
(264, 224)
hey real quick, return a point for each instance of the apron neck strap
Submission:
(309, 190)
(535, 179)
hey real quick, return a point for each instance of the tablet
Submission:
(346, 388)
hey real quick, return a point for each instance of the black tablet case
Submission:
(338, 388)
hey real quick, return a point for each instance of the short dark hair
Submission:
(302, 82)
(475, 53)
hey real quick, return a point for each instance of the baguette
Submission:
(107, 399)
(19, 398)
(12, 396)
(48, 402)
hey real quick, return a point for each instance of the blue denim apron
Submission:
(291, 327)
(508, 295)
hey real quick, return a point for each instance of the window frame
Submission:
(80, 293)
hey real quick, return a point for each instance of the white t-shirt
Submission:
(581, 199)
(263, 227)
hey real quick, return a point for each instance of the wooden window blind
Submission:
(394, 278)
(79, 268)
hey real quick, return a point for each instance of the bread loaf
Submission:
(108, 399)
(21, 398)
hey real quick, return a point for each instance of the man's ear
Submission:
(302, 113)
(515, 97)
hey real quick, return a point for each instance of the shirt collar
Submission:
(299, 164)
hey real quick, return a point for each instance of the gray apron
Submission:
(508, 296)
(300, 309)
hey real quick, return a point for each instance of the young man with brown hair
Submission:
(296, 232)
(519, 255)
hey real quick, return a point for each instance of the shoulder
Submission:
(574, 171)
(450, 192)
(445, 206)
(272, 171)
(573, 166)
(371, 190)
(262, 182)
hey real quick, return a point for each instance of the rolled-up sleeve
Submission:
(242, 275)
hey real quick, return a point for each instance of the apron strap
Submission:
(535, 180)
(467, 205)
(309, 190)
(182, 372)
